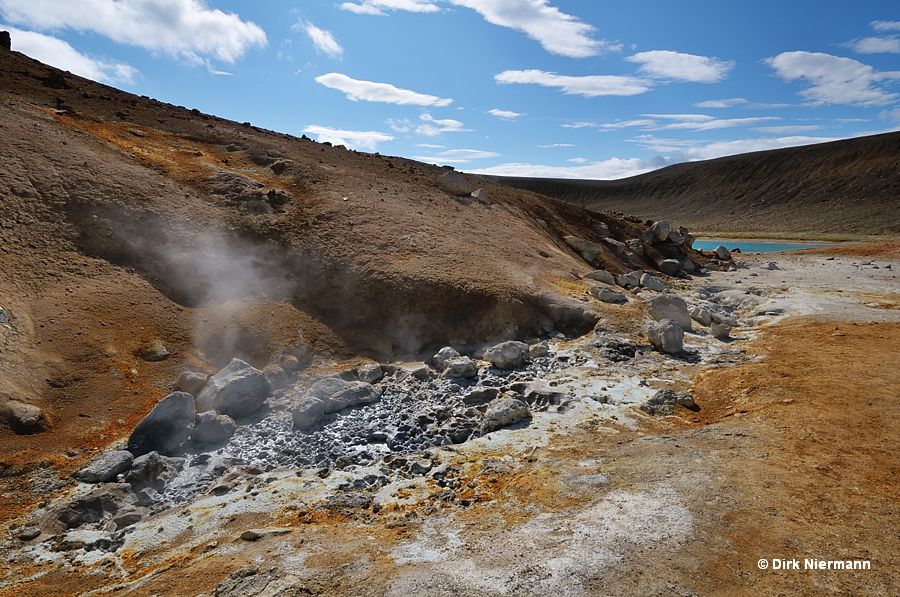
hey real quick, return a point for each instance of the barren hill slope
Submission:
(846, 188)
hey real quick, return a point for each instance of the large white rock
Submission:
(460, 367)
(507, 355)
(605, 294)
(454, 183)
(503, 412)
(238, 390)
(669, 306)
(601, 275)
(651, 283)
(666, 336)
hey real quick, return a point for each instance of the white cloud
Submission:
(558, 32)
(351, 139)
(324, 41)
(556, 145)
(722, 103)
(181, 28)
(724, 148)
(606, 170)
(700, 122)
(875, 45)
(665, 64)
(578, 160)
(504, 114)
(624, 124)
(885, 25)
(833, 79)
(378, 92)
(434, 126)
(587, 86)
(890, 114)
(60, 54)
(457, 156)
(377, 7)
(789, 129)
(579, 125)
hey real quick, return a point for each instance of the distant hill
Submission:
(849, 187)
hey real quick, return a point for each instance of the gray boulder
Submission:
(237, 390)
(635, 246)
(630, 280)
(166, 427)
(503, 412)
(507, 355)
(675, 237)
(454, 183)
(722, 253)
(23, 418)
(309, 411)
(191, 383)
(460, 367)
(660, 231)
(670, 267)
(701, 316)
(687, 264)
(150, 470)
(720, 331)
(666, 336)
(618, 248)
(338, 394)
(536, 351)
(444, 355)
(278, 378)
(481, 196)
(213, 428)
(601, 275)
(669, 306)
(4, 316)
(651, 283)
(589, 250)
(601, 228)
(663, 402)
(604, 294)
(105, 467)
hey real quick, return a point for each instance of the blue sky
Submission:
(562, 88)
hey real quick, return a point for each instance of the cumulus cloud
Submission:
(833, 79)
(378, 92)
(180, 28)
(587, 86)
(60, 54)
(504, 114)
(722, 103)
(665, 64)
(457, 156)
(324, 41)
(351, 139)
(556, 31)
(377, 7)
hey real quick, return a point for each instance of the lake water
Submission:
(755, 246)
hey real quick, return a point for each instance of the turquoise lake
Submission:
(755, 246)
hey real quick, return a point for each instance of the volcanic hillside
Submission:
(139, 237)
(842, 189)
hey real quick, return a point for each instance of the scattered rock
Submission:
(481, 196)
(166, 427)
(444, 355)
(4, 316)
(349, 501)
(605, 294)
(722, 253)
(663, 402)
(308, 412)
(666, 336)
(507, 355)
(257, 534)
(771, 265)
(651, 283)
(601, 228)
(152, 469)
(213, 428)
(370, 373)
(105, 467)
(503, 412)
(670, 267)
(5, 40)
(29, 533)
(589, 251)
(618, 248)
(601, 275)
(536, 351)
(675, 237)
(630, 280)
(191, 382)
(669, 306)
(128, 516)
(277, 377)
(701, 316)
(454, 183)
(635, 246)
(23, 418)
(720, 331)
(460, 367)
(153, 351)
(660, 231)
(338, 394)
(237, 390)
